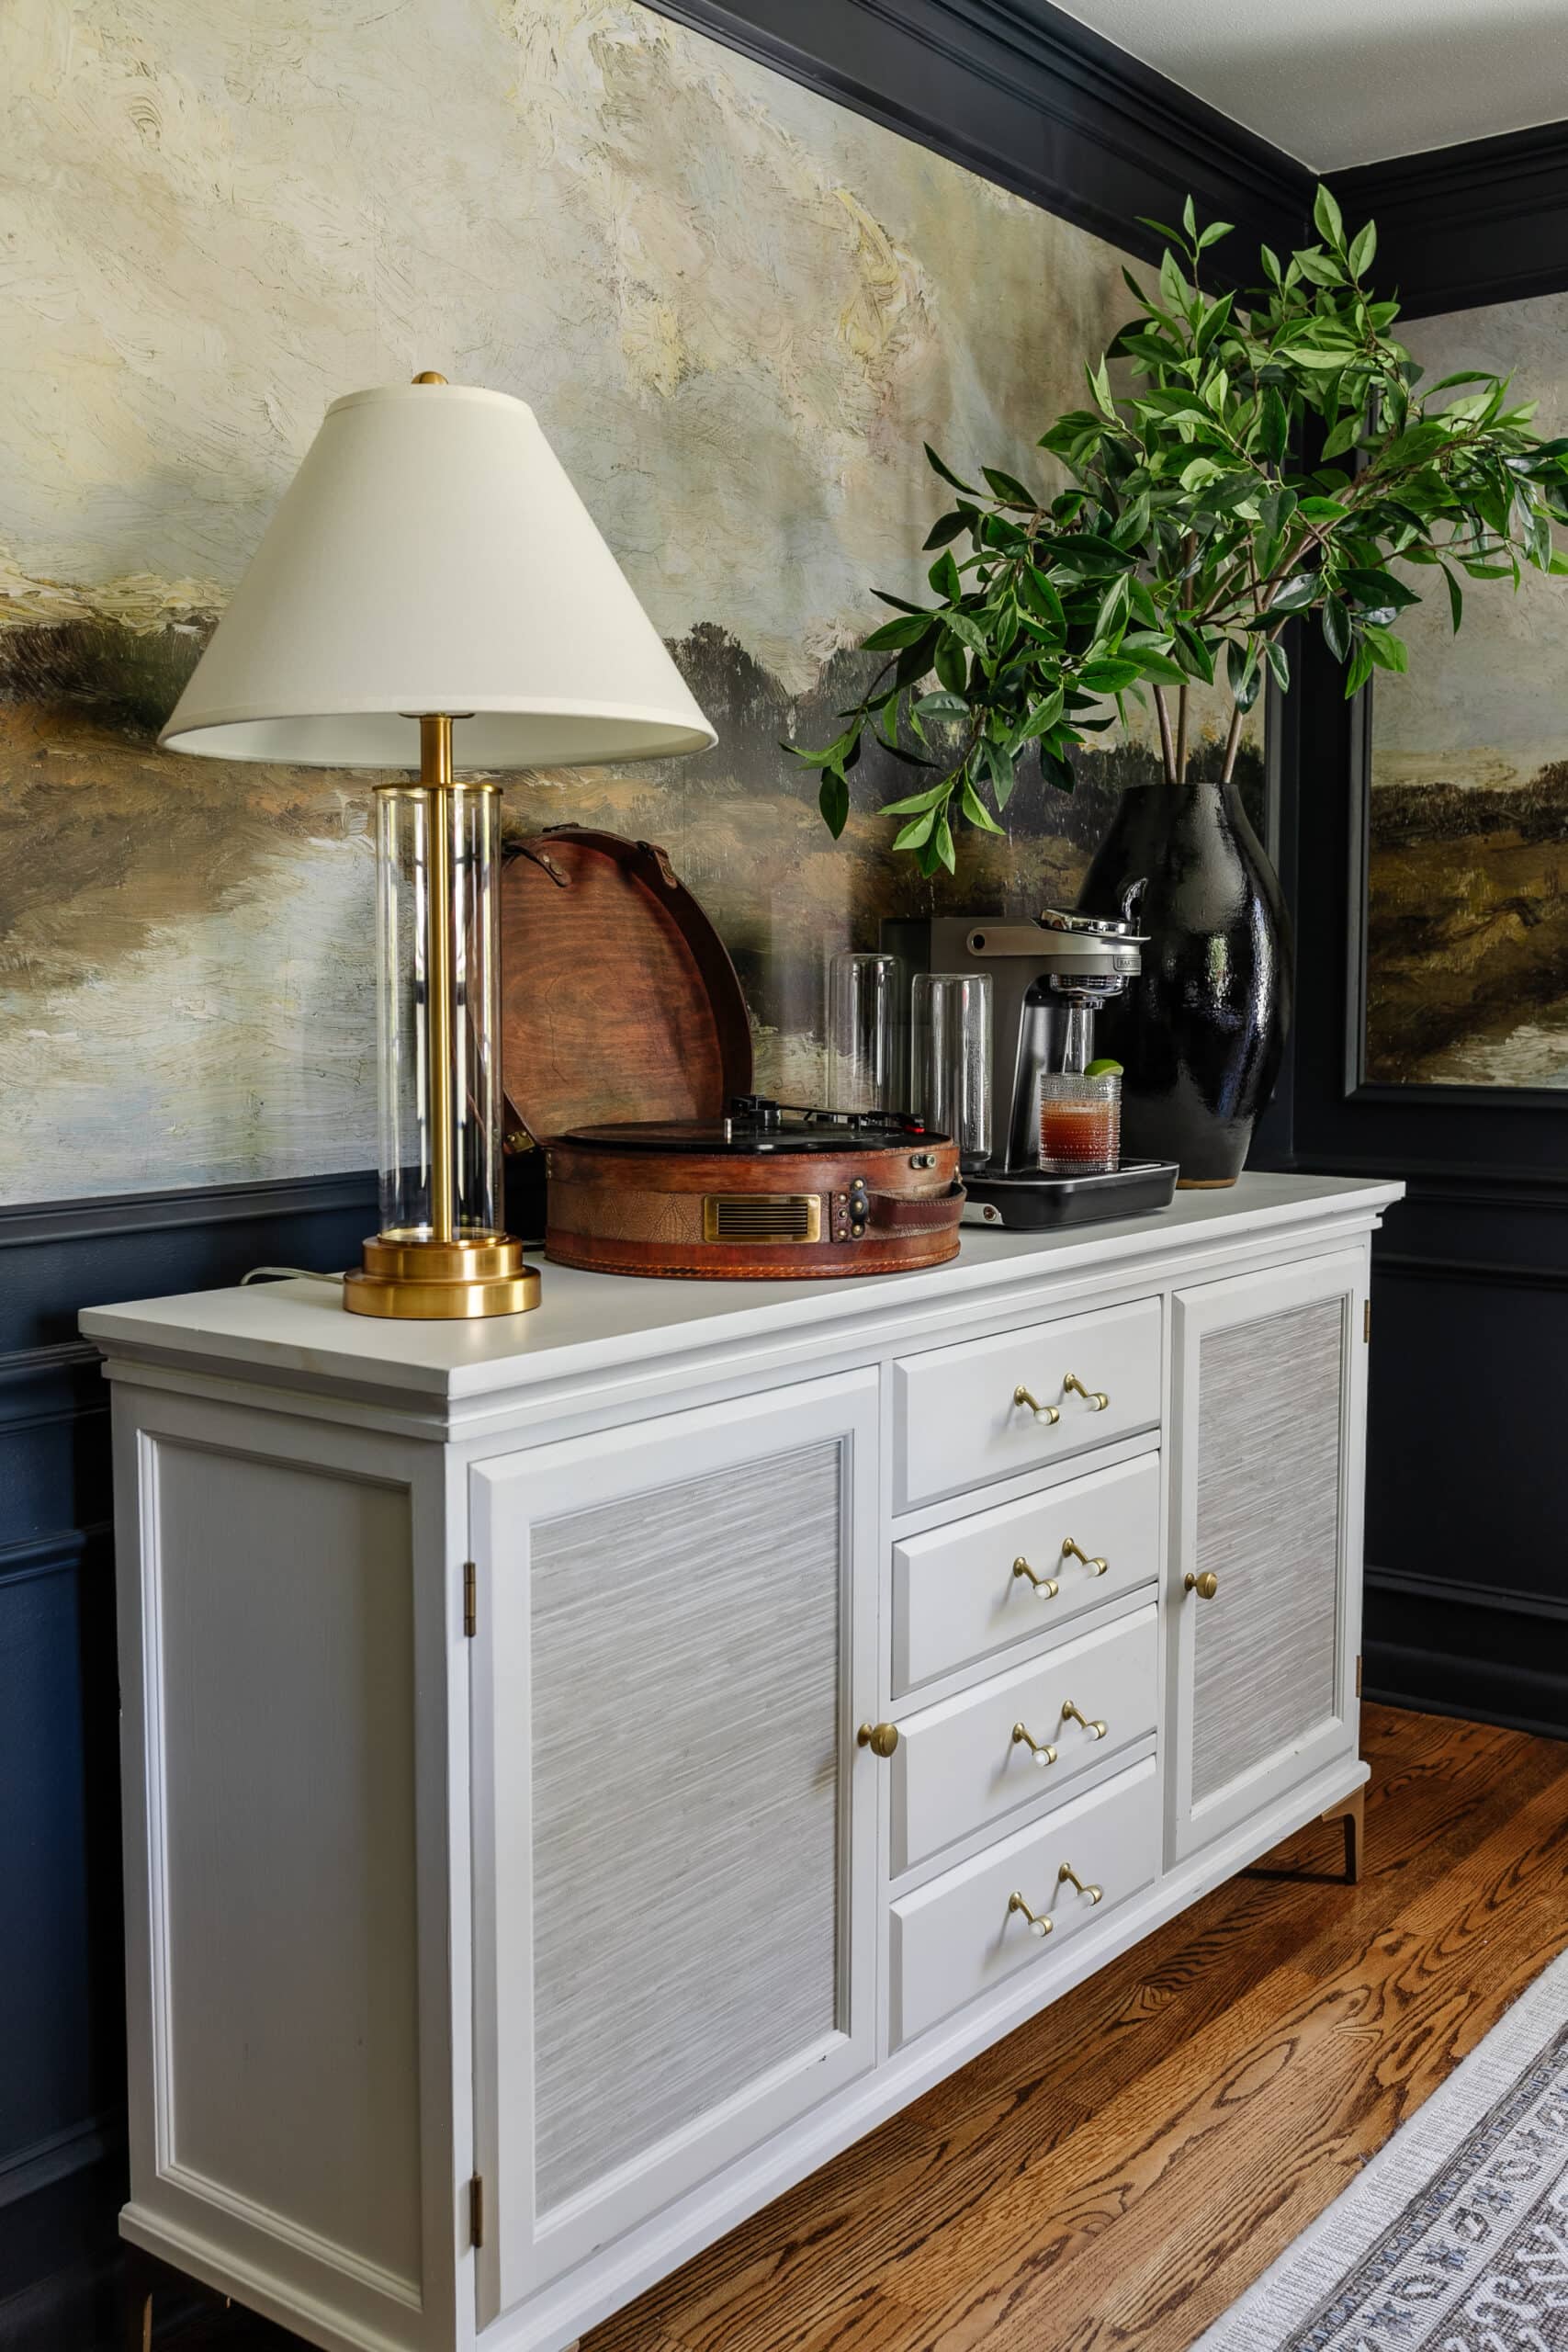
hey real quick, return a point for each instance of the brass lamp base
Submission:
(404, 1279)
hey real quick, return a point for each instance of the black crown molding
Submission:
(1462, 226)
(1026, 96)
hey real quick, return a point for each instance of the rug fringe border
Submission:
(1346, 2230)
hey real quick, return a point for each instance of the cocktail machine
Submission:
(1049, 975)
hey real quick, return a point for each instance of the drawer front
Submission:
(957, 1938)
(963, 1592)
(959, 1420)
(958, 1766)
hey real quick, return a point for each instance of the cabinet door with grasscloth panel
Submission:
(675, 1831)
(1266, 1523)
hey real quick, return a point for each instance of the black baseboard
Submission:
(60, 2260)
(1442, 1647)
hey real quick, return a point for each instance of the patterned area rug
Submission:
(1455, 2237)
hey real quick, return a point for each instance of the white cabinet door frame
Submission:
(508, 1496)
(1223, 1306)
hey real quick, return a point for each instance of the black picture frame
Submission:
(1358, 1088)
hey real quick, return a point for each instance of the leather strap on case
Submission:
(892, 1213)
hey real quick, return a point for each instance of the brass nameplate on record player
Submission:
(762, 1216)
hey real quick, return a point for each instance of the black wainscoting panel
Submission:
(1026, 96)
(1468, 1593)
(1467, 1493)
(62, 2082)
(61, 1999)
(60, 1256)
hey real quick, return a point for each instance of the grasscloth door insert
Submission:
(724, 1747)
(1266, 1506)
(669, 1666)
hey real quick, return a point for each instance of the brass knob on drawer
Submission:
(1046, 1413)
(1067, 1876)
(881, 1738)
(1041, 1749)
(1071, 1715)
(1038, 1925)
(1095, 1398)
(1205, 1586)
(1071, 1551)
(1045, 1587)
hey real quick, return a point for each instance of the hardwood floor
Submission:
(1114, 2173)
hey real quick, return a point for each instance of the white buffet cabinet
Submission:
(513, 1901)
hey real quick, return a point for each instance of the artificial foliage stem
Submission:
(1167, 750)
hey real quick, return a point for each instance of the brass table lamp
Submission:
(431, 570)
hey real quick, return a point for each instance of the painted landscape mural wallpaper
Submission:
(738, 311)
(1467, 938)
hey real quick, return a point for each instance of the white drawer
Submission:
(956, 1939)
(958, 1766)
(959, 1593)
(957, 1420)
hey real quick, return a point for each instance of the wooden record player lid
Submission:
(618, 1001)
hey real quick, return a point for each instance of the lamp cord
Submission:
(286, 1275)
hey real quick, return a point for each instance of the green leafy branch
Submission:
(1190, 532)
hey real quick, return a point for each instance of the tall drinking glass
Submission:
(951, 1060)
(865, 1032)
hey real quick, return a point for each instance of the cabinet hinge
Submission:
(471, 1611)
(1358, 1678)
(477, 2210)
(1367, 1322)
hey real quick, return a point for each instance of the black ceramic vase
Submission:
(1200, 1034)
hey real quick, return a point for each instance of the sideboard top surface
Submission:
(297, 1330)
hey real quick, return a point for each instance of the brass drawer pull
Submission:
(1205, 1586)
(1045, 1587)
(1038, 1925)
(1097, 1566)
(1095, 1398)
(881, 1738)
(1041, 1749)
(1071, 1715)
(1067, 1876)
(1046, 1413)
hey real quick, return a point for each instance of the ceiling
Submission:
(1340, 81)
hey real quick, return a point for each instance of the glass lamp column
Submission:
(442, 1253)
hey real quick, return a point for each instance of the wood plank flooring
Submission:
(1114, 2173)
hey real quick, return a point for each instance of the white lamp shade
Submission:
(430, 555)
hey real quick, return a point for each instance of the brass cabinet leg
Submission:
(1352, 1811)
(138, 2276)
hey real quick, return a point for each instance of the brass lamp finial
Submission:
(429, 376)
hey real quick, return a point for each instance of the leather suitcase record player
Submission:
(626, 1054)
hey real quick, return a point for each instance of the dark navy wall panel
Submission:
(61, 2073)
(61, 2008)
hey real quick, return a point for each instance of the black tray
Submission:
(1036, 1203)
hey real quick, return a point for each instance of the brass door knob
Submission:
(1046, 1413)
(1071, 1715)
(1205, 1586)
(1041, 1749)
(881, 1738)
(1045, 1587)
(1067, 1876)
(1038, 1925)
(1094, 1565)
(1095, 1398)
